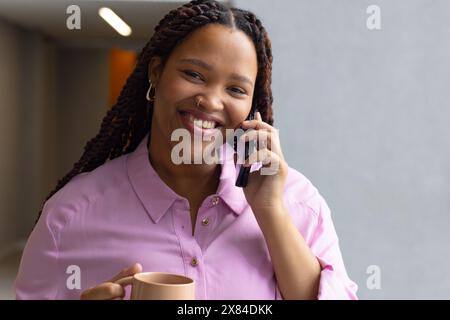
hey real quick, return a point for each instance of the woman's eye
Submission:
(193, 74)
(237, 90)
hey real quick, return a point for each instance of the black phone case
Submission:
(242, 178)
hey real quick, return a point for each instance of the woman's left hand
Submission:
(265, 187)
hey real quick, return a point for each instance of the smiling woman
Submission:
(127, 206)
(215, 65)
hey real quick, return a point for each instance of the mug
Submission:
(159, 286)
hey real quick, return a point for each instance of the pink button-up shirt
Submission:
(122, 212)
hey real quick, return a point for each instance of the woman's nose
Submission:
(208, 102)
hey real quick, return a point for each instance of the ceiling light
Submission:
(115, 21)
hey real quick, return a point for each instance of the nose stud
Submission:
(197, 100)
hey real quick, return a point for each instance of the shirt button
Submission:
(215, 200)
(205, 221)
(194, 262)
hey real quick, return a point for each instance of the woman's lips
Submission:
(188, 124)
(197, 114)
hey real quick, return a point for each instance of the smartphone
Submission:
(244, 172)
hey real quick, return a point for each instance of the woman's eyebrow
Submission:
(197, 62)
(242, 78)
(204, 65)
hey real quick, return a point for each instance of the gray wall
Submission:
(52, 100)
(365, 115)
(82, 100)
(37, 136)
(27, 87)
(10, 77)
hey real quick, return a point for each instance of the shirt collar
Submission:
(157, 197)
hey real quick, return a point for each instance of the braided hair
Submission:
(129, 120)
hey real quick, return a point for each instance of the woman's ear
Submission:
(154, 70)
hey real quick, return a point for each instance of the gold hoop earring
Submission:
(147, 96)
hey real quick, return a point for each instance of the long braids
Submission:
(129, 120)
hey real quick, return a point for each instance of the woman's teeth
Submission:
(203, 124)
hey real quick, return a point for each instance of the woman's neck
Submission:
(192, 181)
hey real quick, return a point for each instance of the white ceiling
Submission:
(49, 17)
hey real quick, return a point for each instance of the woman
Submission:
(204, 68)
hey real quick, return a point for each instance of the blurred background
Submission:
(363, 113)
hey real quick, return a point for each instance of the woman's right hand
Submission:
(110, 290)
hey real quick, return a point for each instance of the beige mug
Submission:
(159, 286)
